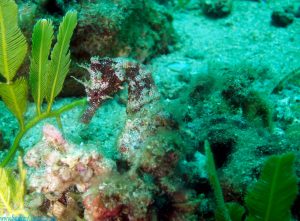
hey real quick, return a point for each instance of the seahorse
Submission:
(146, 119)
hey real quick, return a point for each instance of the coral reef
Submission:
(138, 29)
(68, 165)
(116, 198)
(129, 188)
(239, 126)
(138, 152)
(69, 182)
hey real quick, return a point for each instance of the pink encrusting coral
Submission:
(60, 167)
(53, 136)
(119, 197)
(67, 177)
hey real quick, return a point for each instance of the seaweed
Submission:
(269, 199)
(181, 4)
(285, 79)
(12, 191)
(224, 211)
(274, 193)
(46, 77)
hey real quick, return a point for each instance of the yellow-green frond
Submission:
(12, 191)
(5, 192)
(20, 187)
(60, 57)
(13, 46)
(41, 44)
(14, 96)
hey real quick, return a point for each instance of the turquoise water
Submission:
(150, 109)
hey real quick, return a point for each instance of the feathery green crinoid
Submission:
(46, 76)
(271, 198)
(12, 191)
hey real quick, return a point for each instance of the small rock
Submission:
(180, 67)
(282, 18)
(297, 12)
(184, 77)
(194, 54)
(216, 8)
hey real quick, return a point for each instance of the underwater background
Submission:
(150, 110)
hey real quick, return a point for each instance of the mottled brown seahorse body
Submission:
(139, 143)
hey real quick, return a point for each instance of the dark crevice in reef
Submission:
(52, 7)
(164, 207)
(221, 150)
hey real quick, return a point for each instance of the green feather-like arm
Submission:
(14, 96)
(12, 191)
(13, 46)
(221, 213)
(41, 44)
(60, 58)
(272, 196)
(52, 114)
(46, 77)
